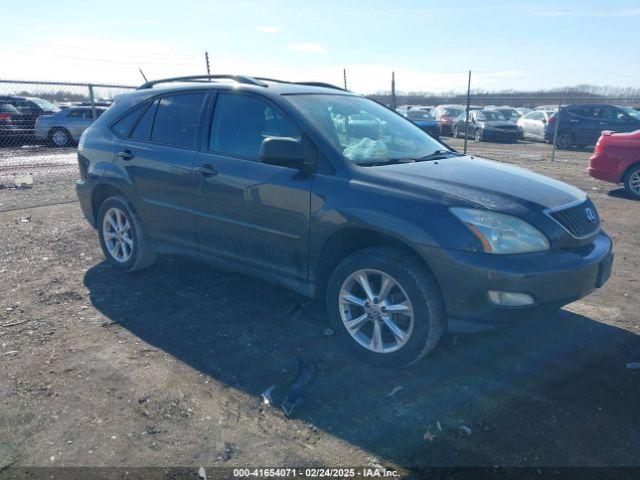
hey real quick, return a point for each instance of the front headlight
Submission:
(500, 233)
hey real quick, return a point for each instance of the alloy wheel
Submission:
(118, 235)
(60, 138)
(376, 310)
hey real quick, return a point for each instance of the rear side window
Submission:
(144, 126)
(75, 114)
(123, 126)
(241, 123)
(177, 119)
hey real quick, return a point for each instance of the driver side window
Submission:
(242, 122)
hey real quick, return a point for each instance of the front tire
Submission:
(387, 306)
(632, 182)
(478, 135)
(122, 237)
(454, 131)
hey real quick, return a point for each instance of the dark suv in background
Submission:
(581, 125)
(401, 236)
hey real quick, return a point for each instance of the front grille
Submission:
(581, 220)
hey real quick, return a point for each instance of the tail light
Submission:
(552, 120)
(444, 119)
(5, 116)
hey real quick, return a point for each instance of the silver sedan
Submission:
(65, 127)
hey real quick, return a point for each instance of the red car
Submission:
(616, 159)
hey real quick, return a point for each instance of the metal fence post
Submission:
(555, 132)
(93, 102)
(393, 90)
(466, 120)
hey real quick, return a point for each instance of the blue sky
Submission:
(430, 45)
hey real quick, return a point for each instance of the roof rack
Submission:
(309, 84)
(195, 78)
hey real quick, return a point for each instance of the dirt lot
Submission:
(166, 367)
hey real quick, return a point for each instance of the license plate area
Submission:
(604, 271)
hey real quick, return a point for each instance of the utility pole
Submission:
(466, 120)
(344, 76)
(393, 90)
(206, 58)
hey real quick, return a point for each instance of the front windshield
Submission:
(490, 115)
(509, 113)
(453, 112)
(45, 105)
(364, 131)
(419, 115)
(635, 114)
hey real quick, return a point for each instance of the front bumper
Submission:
(553, 279)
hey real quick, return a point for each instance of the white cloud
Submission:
(309, 48)
(267, 29)
(582, 13)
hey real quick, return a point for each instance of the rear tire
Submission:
(632, 181)
(565, 140)
(478, 135)
(122, 237)
(416, 308)
(60, 137)
(454, 132)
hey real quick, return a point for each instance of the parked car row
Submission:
(28, 119)
(571, 126)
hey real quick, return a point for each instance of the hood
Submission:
(493, 185)
(426, 123)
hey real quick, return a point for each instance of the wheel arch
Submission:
(346, 241)
(627, 171)
(101, 193)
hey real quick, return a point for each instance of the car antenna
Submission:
(143, 75)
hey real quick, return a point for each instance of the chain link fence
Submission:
(52, 114)
(556, 125)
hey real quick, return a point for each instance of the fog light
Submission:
(510, 299)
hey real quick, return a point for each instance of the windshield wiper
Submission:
(389, 161)
(440, 154)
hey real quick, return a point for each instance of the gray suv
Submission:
(337, 197)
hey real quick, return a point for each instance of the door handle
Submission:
(206, 170)
(126, 155)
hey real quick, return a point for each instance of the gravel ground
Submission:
(166, 367)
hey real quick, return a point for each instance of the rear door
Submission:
(249, 212)
(158, 156)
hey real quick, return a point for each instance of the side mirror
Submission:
(544, 120)
(282, 151)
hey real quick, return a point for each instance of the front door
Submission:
(247, 211)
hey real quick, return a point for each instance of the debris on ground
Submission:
(328, 332)
(294, 312)
(16, 181)
(7, 455)
(26, 219)
(465, 431)
(266, 395)
(428, 436)
(438, 425)
(394, 391)
(633, 366)
(202, 473)
(14, 324)
(296, 392)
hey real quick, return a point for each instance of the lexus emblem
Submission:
(591, 214)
